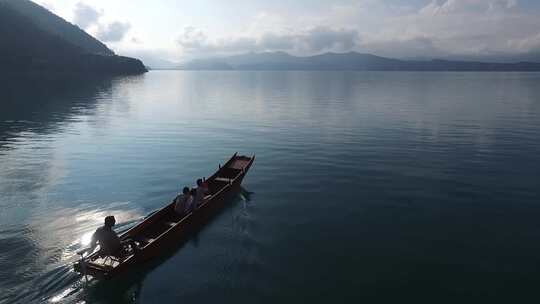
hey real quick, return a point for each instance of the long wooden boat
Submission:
(164, 229)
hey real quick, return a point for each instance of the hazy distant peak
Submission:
(346, 61)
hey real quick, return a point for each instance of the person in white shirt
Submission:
(183, 202)
(202, 190)
(108, 240)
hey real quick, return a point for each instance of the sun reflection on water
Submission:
(86, 238)
(59, 235)
(59, 297)
(72, 229)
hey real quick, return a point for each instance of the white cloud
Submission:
(94, 21)
(313, 40)
(85, 16)
(47, 5)
(420, 28)
(452, 28)
(113, 32)
(193, 39)
(527, 44)
(436, 7)
(324, 38)
(404, 47)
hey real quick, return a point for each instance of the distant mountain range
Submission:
(346, 61)
(35, 41)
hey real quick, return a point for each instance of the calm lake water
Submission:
(384, 187)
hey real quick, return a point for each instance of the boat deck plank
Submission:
(239, 164)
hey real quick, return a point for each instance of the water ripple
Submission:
(373, 181)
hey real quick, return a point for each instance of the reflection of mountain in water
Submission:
(29, 105)
(38, 113)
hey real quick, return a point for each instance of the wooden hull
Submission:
(164, 230)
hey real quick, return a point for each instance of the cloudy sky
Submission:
(180, 30)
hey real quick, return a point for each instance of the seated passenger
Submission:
(108, 240)
(182, 203)
(193, 203)
(202, 190)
